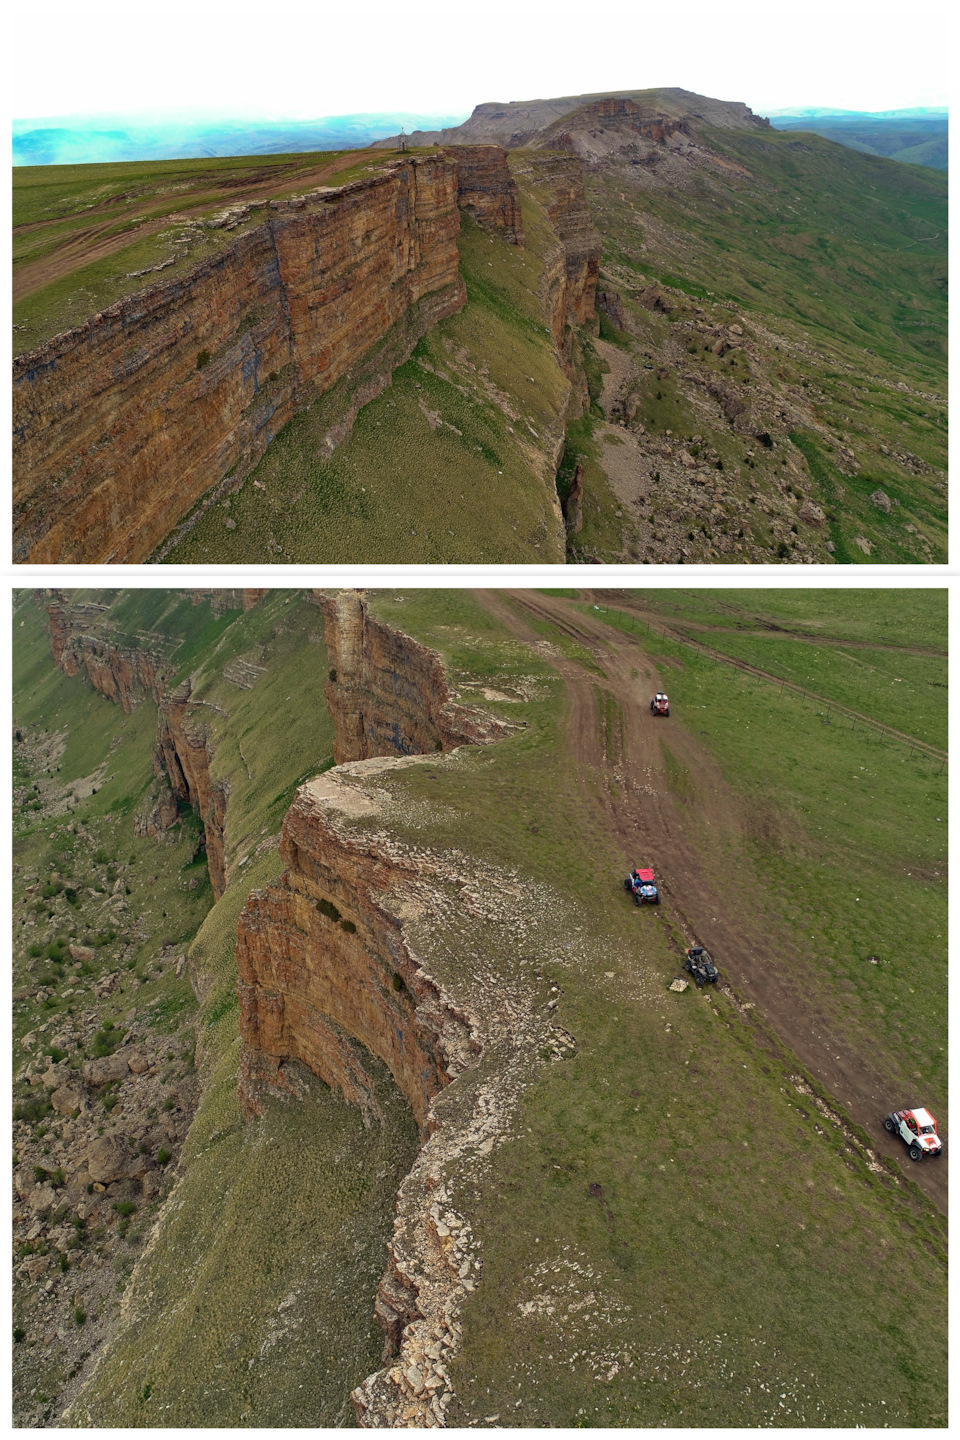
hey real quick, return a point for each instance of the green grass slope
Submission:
(834, 264)
(669, 1238)
(453, 463)
(668, 1235)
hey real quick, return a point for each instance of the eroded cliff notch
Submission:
(388, 693)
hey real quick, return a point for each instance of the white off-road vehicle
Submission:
(917, 1129)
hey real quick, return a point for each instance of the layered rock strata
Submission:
(486, 189)
(124, 674)
(123, 423)
(388, 694)
(183, 753)
(220, 601)
(322, 964)
(328, 976)
(571, 266)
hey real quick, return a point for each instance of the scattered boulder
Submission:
(881, 500)
(41, 1199)
(111, 1067)
(679, 985)
(69, 1098)
(609, 302)
(653, 299)
(82, 952)
(811, 513)
(862, 543)
(54, 1076)
(108, 1160)
(38, 1265)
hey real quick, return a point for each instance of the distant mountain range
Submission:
(916, 137)
(97, 139)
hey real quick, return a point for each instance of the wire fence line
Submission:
(626, 620)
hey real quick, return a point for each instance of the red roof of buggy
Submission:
(646, 876)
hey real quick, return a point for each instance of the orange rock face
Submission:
(324, 972)
(388, 693)
(122, 424)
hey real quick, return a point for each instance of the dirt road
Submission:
(763, 970)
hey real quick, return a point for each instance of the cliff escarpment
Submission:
(122, 424)
(170, 397)
(572, 265)
(388, 694)
(323, 964)
(183, 755)
(124, 674)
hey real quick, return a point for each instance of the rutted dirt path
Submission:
(674, 632)
(764, 970)
(94, 242)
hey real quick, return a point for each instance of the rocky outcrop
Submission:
(122, 424)
(388, 694)
(182, 759)
(487, 190)
(124, 674)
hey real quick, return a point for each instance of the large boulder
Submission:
(811, 513)
(110, 1067)
(881, 500)
(69, 1098)
(109, 1159)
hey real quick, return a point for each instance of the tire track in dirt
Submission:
(673, 632)
(764, 970)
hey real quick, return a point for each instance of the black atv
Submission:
(700, 967)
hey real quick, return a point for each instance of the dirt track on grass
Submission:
(760, 969)
(94, 242)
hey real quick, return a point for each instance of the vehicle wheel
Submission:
(637, 900)
(915, 1152)
(627, 885)
(889, 1125)
(667, 711)
(657, 901)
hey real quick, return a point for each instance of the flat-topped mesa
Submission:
(124, 674)
(388, 693)
(122, 424)
(486, 189)
(183, 754)
(325, 974)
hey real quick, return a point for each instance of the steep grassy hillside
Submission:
(781, 287)
(332, 1193)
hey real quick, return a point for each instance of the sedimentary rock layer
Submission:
(122, 424)
(487, 190)
(123, 674)
(183, 753)
(388, 694)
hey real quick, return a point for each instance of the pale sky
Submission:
(292, 59)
